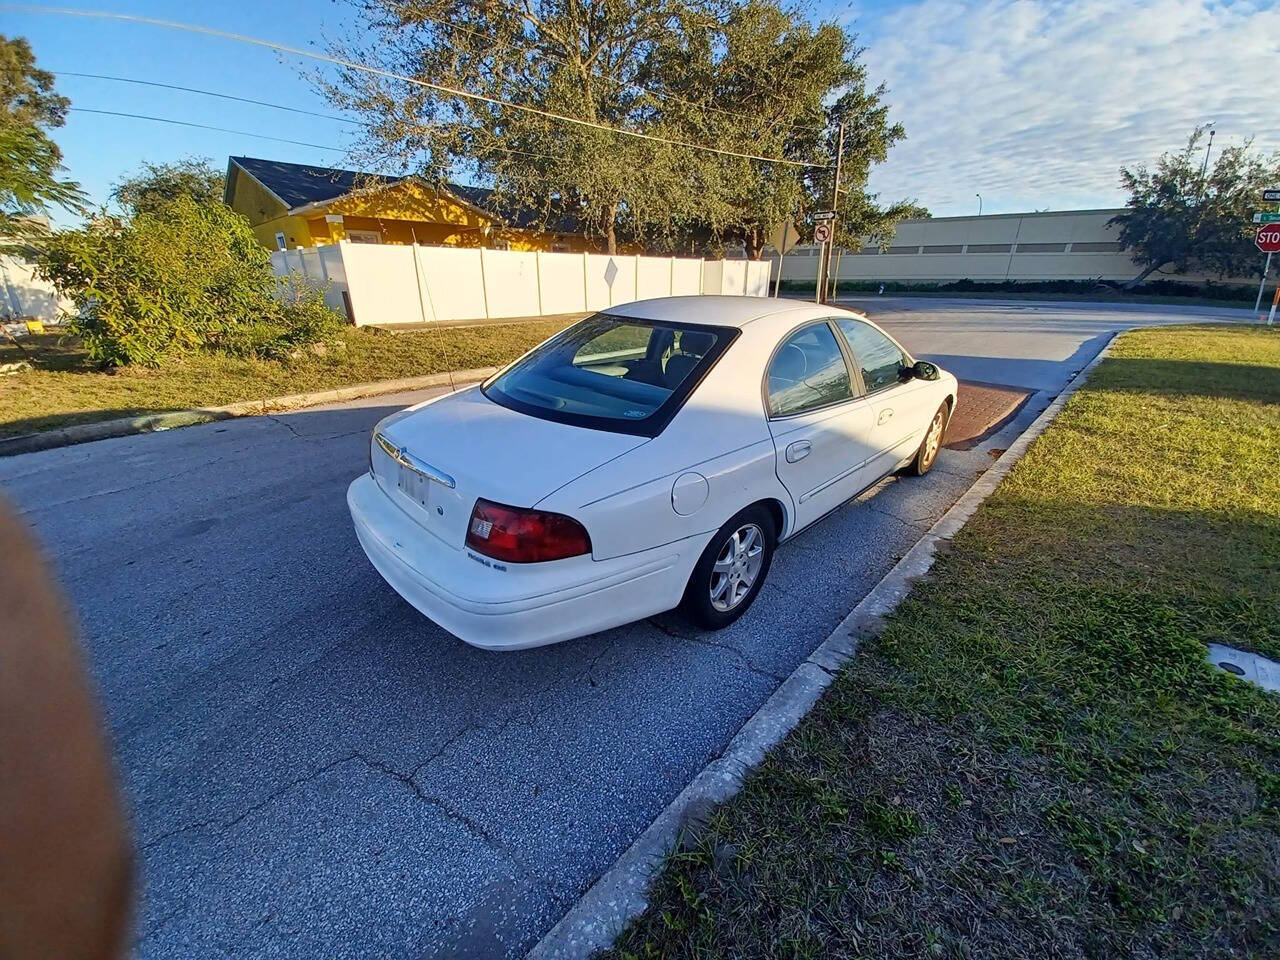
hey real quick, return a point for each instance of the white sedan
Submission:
(648, 457)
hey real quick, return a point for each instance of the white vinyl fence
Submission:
(386, 284)
(24, 296)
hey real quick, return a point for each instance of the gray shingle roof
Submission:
(299, 184)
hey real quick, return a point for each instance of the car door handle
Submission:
(798, 451)
(885, 416)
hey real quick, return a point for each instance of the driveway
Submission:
(314, 769)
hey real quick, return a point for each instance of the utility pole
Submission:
(835, 206)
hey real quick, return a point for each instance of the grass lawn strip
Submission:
(1034, 757)
(63, 389)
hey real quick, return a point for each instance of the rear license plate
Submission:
(414, 485)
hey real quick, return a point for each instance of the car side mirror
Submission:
(920, 370)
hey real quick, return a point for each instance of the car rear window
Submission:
(612, 373)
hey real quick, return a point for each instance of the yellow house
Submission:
(292, 205)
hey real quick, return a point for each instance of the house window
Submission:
(364, 236)
(280, 242)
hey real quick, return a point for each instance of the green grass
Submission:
(62, 388)
(1033, 758)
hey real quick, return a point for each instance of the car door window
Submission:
(879, 358)
(808, 371)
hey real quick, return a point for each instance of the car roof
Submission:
(722, 311)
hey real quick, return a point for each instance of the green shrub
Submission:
(185, 275)
(304, 315)
(299, 317)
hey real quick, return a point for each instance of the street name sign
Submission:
(1268, 238)
(1271, 196)
(825, 215)
(1266, 218)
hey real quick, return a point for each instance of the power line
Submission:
(245, 133)
(260, 103)
(204, 126)
(210, 93)
(387, 74)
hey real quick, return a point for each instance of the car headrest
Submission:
(678, 367)
(696, 342)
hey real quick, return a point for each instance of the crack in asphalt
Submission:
(306, 439)
(222, 827)
(876, 508)
(750, 664)
(410, 779)
(455, 815)
(45, 506)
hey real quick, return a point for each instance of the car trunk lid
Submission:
(439, 459)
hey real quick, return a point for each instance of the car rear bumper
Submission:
(520, 605)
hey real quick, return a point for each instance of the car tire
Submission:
(927, 455)
(714, 598)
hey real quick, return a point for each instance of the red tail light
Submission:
(516, 535)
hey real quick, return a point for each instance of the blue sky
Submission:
(1033, 103)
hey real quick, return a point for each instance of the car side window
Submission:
(879, 358)
(807, 372)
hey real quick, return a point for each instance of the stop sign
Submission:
(1268, 238)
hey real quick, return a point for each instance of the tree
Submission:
(26, 92)
(752, 78)
(29, 160)
(1181, 220)
(159, 183)
(789, 85)
(570, 57)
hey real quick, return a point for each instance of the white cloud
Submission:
(1037, 103)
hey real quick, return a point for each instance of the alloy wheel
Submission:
(933, 440)
(737, 567)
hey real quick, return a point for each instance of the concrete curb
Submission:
(151, 422)
(620, 894)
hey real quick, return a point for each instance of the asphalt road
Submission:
(314, 769)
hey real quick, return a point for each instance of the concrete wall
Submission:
(1063, 245)
(389, 284)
